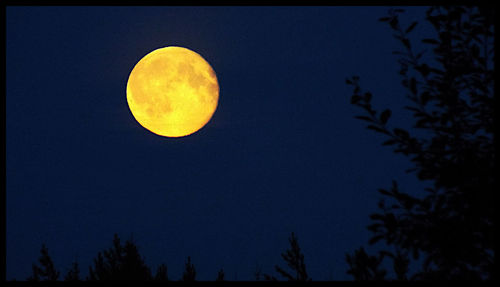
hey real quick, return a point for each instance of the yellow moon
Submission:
(172, 92)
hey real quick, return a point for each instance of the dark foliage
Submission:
(449, 229)
(74, 273)
(258, 272)
(295, 261)
(46, 271)
(220, 275)
(365, 267)
(161, 273)
(189, 271)
(120, 263)
(451, 226)
(268, 277)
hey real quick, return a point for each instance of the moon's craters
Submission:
(172, 92)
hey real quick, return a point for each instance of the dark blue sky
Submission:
(281, 153)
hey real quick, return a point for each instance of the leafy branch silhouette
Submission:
(452, 100)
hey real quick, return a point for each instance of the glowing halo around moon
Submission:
(172, 92)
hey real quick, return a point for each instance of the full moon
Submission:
(172, 92)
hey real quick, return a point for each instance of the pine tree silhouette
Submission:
(161, 273)
(47, 271)
(189, 272)
(74, 273)
(258, 272)
(295, 261)
(120, 263)
(220, 275)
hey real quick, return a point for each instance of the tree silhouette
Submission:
(74, 273)
(220, 275)
(189, 271)
(46, 271)
(161, 273)
(365, 267)
(451, 96)
(120, 263)
(401, 263)
(268, 277)
(295, 261)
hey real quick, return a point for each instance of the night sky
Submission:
(281, 153)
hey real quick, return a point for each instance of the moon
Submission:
(172, 92)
